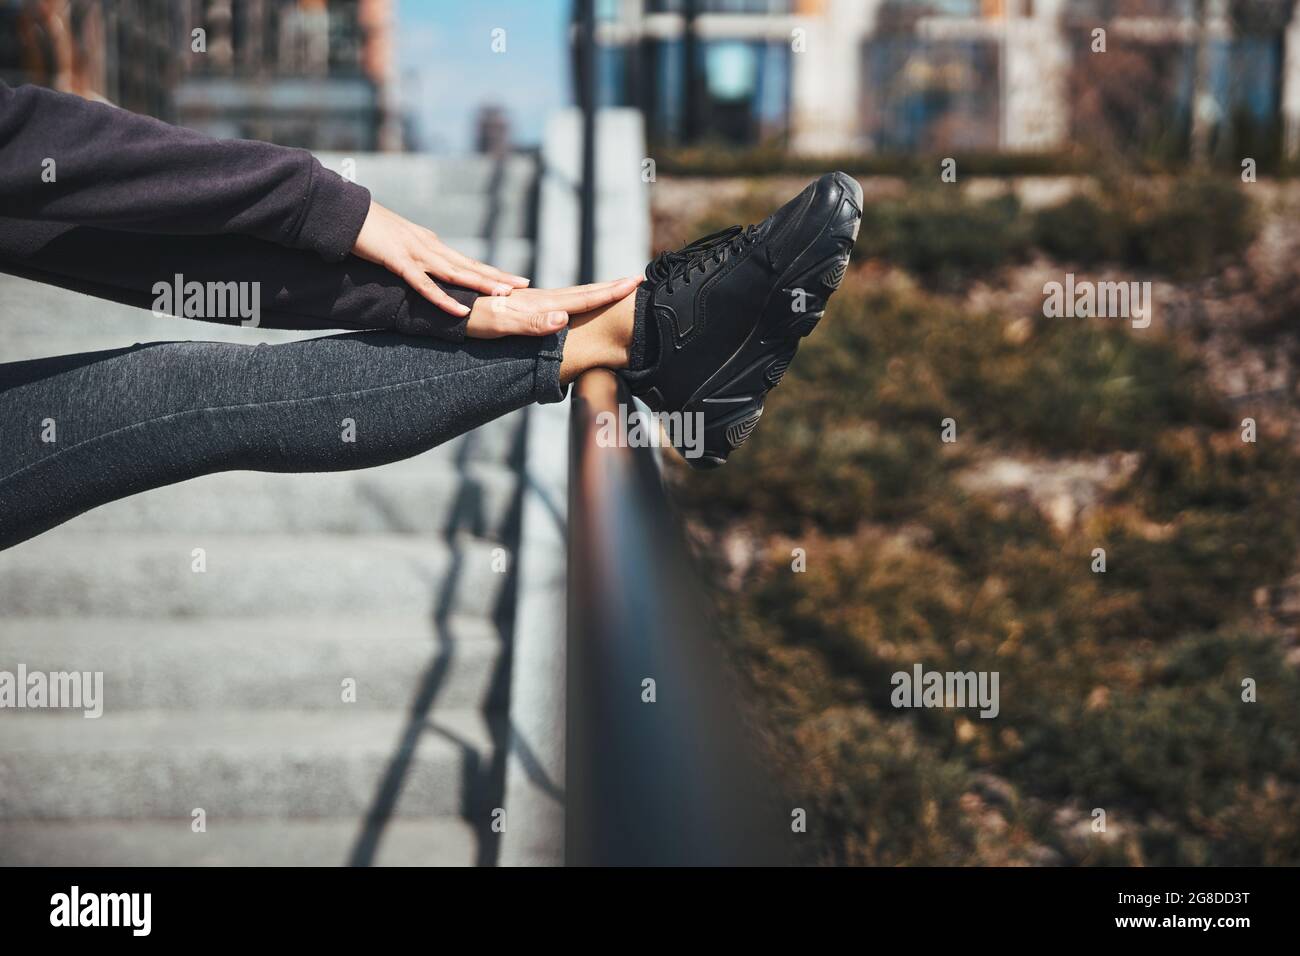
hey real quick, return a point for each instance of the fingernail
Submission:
(556, 319)
(501, 289)
(522, 280)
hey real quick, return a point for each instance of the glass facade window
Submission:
(742, 96)
(940, 8)
(731, 68)
(721, 6)
(931, 96)
(1105, 9)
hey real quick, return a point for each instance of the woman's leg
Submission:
(77, 431)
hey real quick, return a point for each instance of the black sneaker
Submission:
(731, 308)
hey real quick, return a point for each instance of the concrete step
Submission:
(429, 841)
(267, 664)
(421, 177)
(474, 172)
(471, 214)
(66, 574)
(478, 498)
(160, 765)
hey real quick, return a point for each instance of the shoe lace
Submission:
(680, 264)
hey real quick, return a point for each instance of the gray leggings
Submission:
(77, 431)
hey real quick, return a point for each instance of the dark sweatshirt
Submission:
(130, 201)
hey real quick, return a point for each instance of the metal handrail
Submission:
(668, 782)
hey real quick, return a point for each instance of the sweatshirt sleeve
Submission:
(66, 159)
(291, 288)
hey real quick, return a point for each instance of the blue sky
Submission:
(447, 69)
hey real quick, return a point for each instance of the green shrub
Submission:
(937, 234)
(1081, 230)
(1184, 229)
(1197, 222)
(715, 160)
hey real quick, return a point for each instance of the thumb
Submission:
(544, 323)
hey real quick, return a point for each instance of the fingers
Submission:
(418, 280)
(413, 252)
(583, 298)
(453, 266)
(533, 294)
(597, 286)
(495, 317)
(443, 268)
(542, 311)
(482, 268)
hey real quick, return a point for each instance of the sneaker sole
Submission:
(733, 397)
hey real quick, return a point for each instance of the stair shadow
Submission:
(480, 783)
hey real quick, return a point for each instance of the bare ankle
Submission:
(619, 320)
(601, 338)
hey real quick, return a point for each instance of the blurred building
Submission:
(310, 73)
(124, 52)
(734, 56)
(492, 131)
(826, 76)
(1216, 72)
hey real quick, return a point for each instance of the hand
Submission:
(415, 253)
(542, 311)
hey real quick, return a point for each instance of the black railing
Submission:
(658, 763)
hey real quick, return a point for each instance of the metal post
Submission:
(586, 17)
(690, 73)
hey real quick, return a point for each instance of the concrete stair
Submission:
(453, 196)
(223, 690)
(292, 842)
(267, 663)
(387, 500)
(68, 573)
(236, 764)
